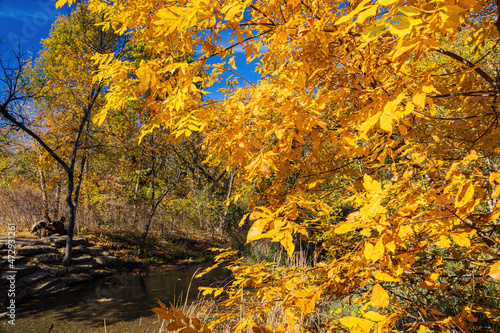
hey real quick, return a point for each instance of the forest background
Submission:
(373, 132)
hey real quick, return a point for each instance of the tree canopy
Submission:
(387, 107)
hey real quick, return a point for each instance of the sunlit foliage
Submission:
(389, 107)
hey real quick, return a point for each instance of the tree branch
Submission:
(471, 65)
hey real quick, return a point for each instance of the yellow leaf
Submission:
(493, 177)
(244, 219)
(419, 100)
(287, 243)
(368, 250)
(355, 322)
(257, 228)
(373, 32)
(433, 277)
(344, 227)
(461, 240)
(444, 241)
(381, 276)
(370, 11)
(313, 184)
(409, 10)
(61, 3)
(428, 88)
(469, 193)
(374, 316)
(369, 184)
(391, 247)
(231, 10)
(423, 329)
(350, 16)
(386, 122)
(378, 250)
(402, 28)
(409, 109)
(386, 2)
(380, 297)
(495, 271)
(231, 62)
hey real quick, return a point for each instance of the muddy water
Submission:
(118, 304)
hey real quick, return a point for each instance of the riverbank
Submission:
(39, 272)
(114, 304)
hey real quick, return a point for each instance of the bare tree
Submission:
(18, 91)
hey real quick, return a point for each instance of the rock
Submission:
(155, 254)
(61, 241)
(34, 277)
(95, 250)
(79, 258)
(70, 280)
(30, 250)
(47, 258)
(80, 241)
(101, 272)
(55, 289)
(20, 284)
(50, 239)
(50, 287)
(47, 285)
(17, 259)
(57, 271)
(24, 270)
(27, 242)
(82, 267)
(80, 249)
(4, 278)
(106, 260)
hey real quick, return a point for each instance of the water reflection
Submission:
(122, 302)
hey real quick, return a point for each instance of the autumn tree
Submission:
(60, 115)
(388, 106)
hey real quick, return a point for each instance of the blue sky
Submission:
(27, 22)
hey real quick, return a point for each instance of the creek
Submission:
(121, 302)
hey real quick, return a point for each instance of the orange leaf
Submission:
(163, 313)
(495, 271)
(175, 325)
(196, 323)
(188, 330)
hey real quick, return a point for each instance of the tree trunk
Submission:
(154, 206)
(43, 188)
(223, 221)
(71, 220)
(57, 201)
